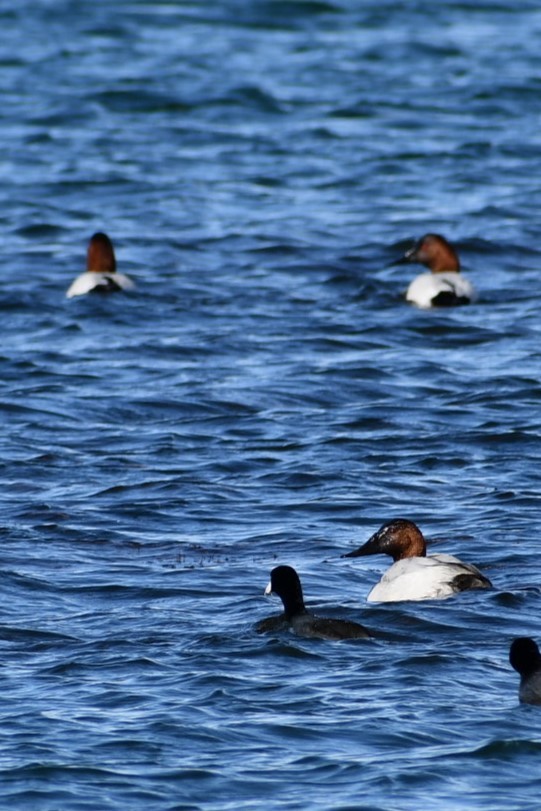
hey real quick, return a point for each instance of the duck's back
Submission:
(95, 282)
(440, 290)
(426, 578)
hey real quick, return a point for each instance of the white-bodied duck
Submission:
(414, 575)
(444, 285)
(101, 275)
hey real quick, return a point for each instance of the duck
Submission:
(524, 656)
(444, 286)
(285, 582)
(414, 575)
(101, 274)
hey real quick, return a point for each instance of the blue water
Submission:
(265, 396)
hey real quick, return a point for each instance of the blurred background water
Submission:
(265, 396)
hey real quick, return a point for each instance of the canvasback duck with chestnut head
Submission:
(414, 575)
(444, 285)
(101, 275)
(286, 584)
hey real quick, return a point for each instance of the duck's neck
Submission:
(410, 545)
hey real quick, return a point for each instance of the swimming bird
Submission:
(444, 286)
(286, 584)
(524, 656)
(101, 274)
(414, 575)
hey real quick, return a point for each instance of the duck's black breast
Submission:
(449, 298)
(107, 284)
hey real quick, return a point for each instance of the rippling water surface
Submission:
(265, 396)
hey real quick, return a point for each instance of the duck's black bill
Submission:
(402, 260)
(360, 552)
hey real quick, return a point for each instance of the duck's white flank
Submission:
(92, 281)
(427, 288)
(429, 578)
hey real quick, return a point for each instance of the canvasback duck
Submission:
(444, 286)
(286, 584)
(524, 656)
(414, 575)
(101, 274)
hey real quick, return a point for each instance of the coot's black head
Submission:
(286, 584)
(524, 655)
